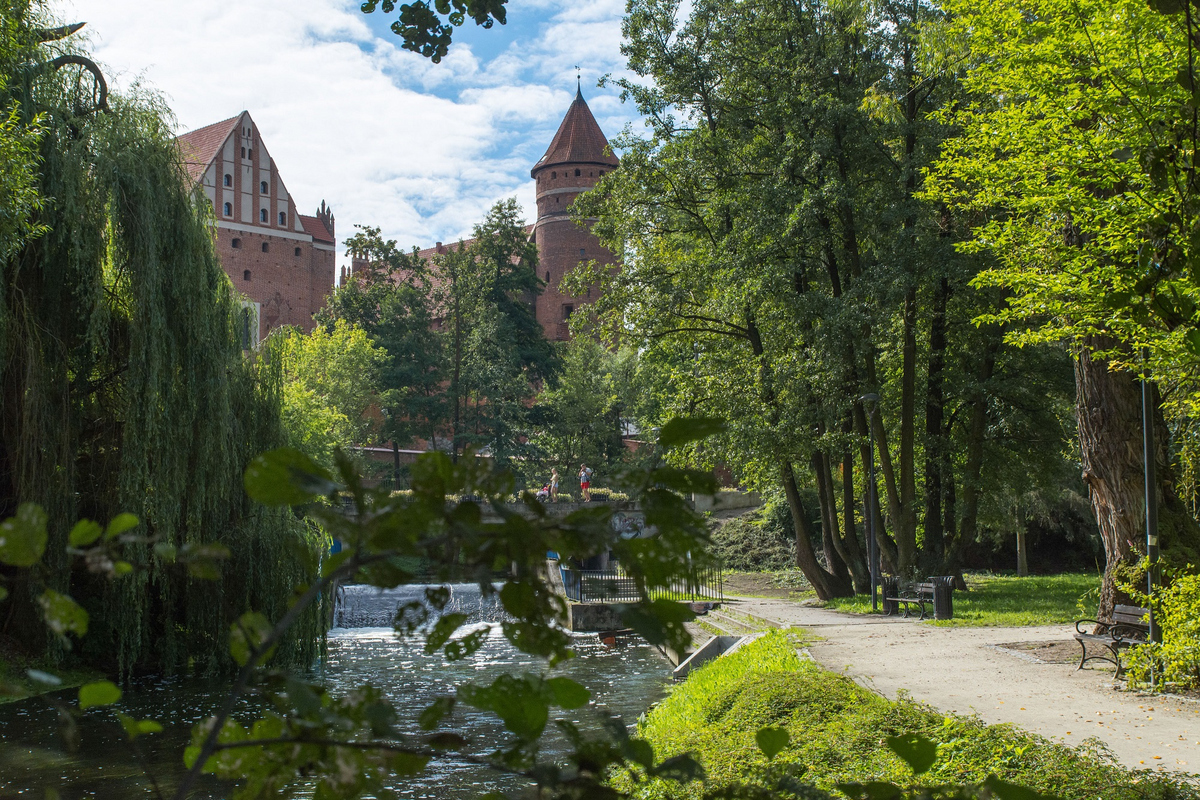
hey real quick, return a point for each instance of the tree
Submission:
(427, 30)
(330, 380)
(1075, 166)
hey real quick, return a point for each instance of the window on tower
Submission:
(266, 247)
(228, 209)
(547, 276)
(228, 179)
(243, 152)
(297, 253)
(262, 215)
(554, 176)
(283, 218)
(236, 244)
(582, 253)
(568, 310)
(577, 173)
(246, 275)
(262, 187)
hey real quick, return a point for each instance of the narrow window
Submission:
(556, 201)
(576, 173)
(554, 175)
(262, 187)
(262, 215)
(283, 218)
(266, 247)
(228, 179)
(228, 209)
(547, 276)
(591, 174)
(297, 252)
(236, 244)
(251, 154)
(246, 275)
(582, 253)
(243, 152)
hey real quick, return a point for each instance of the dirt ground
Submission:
(763, 584)
(1024, 676)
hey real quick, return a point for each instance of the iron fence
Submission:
(615, 586)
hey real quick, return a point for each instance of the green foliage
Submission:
(743, 544)
(331, 378)
(835, 731)
(1174, 662)
(428, 30)
(120, 357)
(1007, 601)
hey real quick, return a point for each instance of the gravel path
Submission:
(961, 670)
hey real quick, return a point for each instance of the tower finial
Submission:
(578, 81)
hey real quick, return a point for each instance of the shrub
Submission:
(1175, 662)
(836, 730)
(746, 545)
(601, 494)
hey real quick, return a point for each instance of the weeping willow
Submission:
(123, 386)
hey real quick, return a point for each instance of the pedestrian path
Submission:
(961, 670)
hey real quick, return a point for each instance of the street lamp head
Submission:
(869, 398)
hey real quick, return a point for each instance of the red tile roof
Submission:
(199, 147)
(579, 140)
(316, 229)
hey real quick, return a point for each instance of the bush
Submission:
(1175, 662)
(746, 545)
(836, 730)
(601, 494)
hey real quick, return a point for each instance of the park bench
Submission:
(907, 594)
(1130, 626)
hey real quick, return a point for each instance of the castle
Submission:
(578, 156)
(280, 259)
(283, 261)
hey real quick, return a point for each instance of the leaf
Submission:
(772, 740)
(98, 693)
(246, 635)
(3, 593)
(1168, 6)
(1010, 791)
(568, 694)
(659, 622)
(286, 477)
(872, 790)
(519, 702)
(435, 712)
(682, 768)
(84, 533)
(442, 631)
(137, 727)
(62, 614)
(682, 430)
(166, 552)
(685, 480)
(917, 751)
(639, 751)
(1192, 339)
(118, 525)
(23, 537)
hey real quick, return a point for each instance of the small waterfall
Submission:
(360, 606)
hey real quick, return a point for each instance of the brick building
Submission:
(280, 259)
(577, 158)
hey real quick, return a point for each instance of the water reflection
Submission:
(624, 680)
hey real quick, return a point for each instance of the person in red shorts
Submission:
(585, 483)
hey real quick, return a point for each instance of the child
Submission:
(585, 483)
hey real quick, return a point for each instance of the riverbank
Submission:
(836, 729)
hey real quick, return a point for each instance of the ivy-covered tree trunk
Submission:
(1109, 410)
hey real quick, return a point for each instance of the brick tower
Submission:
(577, 157)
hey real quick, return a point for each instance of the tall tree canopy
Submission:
(122, 381)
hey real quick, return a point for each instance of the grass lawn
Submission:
(1006, 600)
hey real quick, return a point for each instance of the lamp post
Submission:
(871, 502)
(1148, 457)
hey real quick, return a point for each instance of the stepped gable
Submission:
(199, 147)
(579, 140)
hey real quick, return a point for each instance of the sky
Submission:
(384, 136)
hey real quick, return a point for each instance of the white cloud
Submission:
(384, 136)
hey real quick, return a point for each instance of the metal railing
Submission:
(615, 586)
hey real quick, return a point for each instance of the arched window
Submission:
(243, 152)
(297, 252)
(262, 215)
(228, 179)
(228, 209)
(236, 244)
(246, 275)
(283, 218)
(266, 247)
(577, 173)
(262, 187)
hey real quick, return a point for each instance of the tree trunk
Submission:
(933, 549)
(1108, 406)
(1022, 554)
(825, 584)
(835, 559)
(906, 521)
(854, 556)
(976, 433)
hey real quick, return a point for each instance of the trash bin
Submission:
(943, 596)
(889, 586)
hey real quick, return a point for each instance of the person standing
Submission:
(585, 483)
(554, 485)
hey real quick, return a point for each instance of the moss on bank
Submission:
(837, 731)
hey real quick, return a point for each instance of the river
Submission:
(624, 680)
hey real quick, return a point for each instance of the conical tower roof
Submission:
(579, 140)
